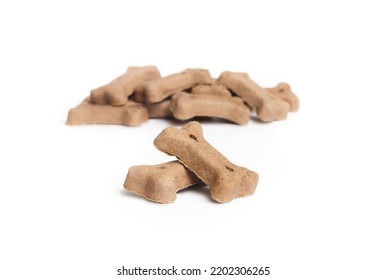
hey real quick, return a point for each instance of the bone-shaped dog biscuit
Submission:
(214, 89)
(159, 89)
(283, 91)
(159, 183)
(268, 107)
(131, 114)
(226, 180)
(185, 106)
(118, 90)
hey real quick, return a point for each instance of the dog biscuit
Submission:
(185, 106)
(268, 106)
(131, 114)
(159, 183)
(160, 89)
(283, 91)
(118, 90)
(214, 89)
(226, 180)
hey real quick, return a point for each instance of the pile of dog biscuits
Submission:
(141, 93)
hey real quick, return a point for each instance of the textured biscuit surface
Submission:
(131, 114)
(159, 183)
(185, 106)
(159, 110)
(118, 90)
(226, 180)
(158, 90)
(268, 107)
(213, 89)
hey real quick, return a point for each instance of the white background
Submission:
(319, 209)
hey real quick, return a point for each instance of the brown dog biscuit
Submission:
(213, 89)
(226, 180)
(185, 106)
(131, 114)
(162, 88)
(283, 91)
(268, 107)
(118, 90)
(159, 183)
